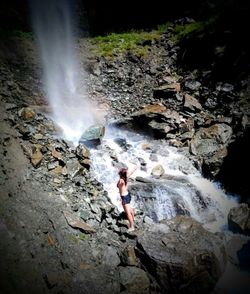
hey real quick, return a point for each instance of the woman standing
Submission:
(122, 185)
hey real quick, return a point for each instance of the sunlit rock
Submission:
(82, 151)
(207, 141)
(93, 136)
(36, 156)
(158, 171)
(56, 154)
(27, 113)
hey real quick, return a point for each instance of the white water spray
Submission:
(52, 23)
(184, 189)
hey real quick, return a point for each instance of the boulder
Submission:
(239, 219)
(207, 141)
(27, 113)
(158, 171)
(93, 136)
(182, 255)
(134, 280)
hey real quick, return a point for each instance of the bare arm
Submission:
(132, 171)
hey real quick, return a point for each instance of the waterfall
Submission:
(62, 77)
(183, 190)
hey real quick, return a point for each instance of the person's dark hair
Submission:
(123, 175)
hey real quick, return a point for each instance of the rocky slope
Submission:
(59, 231)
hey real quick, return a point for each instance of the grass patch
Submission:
(73, 238)
(137, 42)
(187, 31)
(16, 33)
(82, 236)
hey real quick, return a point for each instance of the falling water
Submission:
(183, 191)
(52, 23)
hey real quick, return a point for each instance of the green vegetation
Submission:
(134, 41)
(16, 33)
(187, 31)
(22, 34)
(82, 236)
(75, 238)
(138, 42)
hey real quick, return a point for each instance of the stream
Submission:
(180, 190)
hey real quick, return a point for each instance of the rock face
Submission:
(182, 255)
(239, 219)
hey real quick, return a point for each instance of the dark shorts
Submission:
(126, 199)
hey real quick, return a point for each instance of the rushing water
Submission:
(182, 191)
(52, 23)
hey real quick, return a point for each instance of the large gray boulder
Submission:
(93, 135)
(211, 144)
(182, 255)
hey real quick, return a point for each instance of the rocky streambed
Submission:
(60, 231)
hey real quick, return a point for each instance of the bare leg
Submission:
(133, 213)
(129, 215)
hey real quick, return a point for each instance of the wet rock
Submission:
(158, 171)
(233, 246)
(128, 257)
(239, 219)
(93, 136)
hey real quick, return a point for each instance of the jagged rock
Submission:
(233, 246)
(182, 255)
(239, 219)
(214, 162)
(156, 118)
(36, 156)
(167, 91)
(191, 103)
(76, 223)
(207, 141)
(192, 85)
(74, 168)
(82, 151)
(56, 154)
